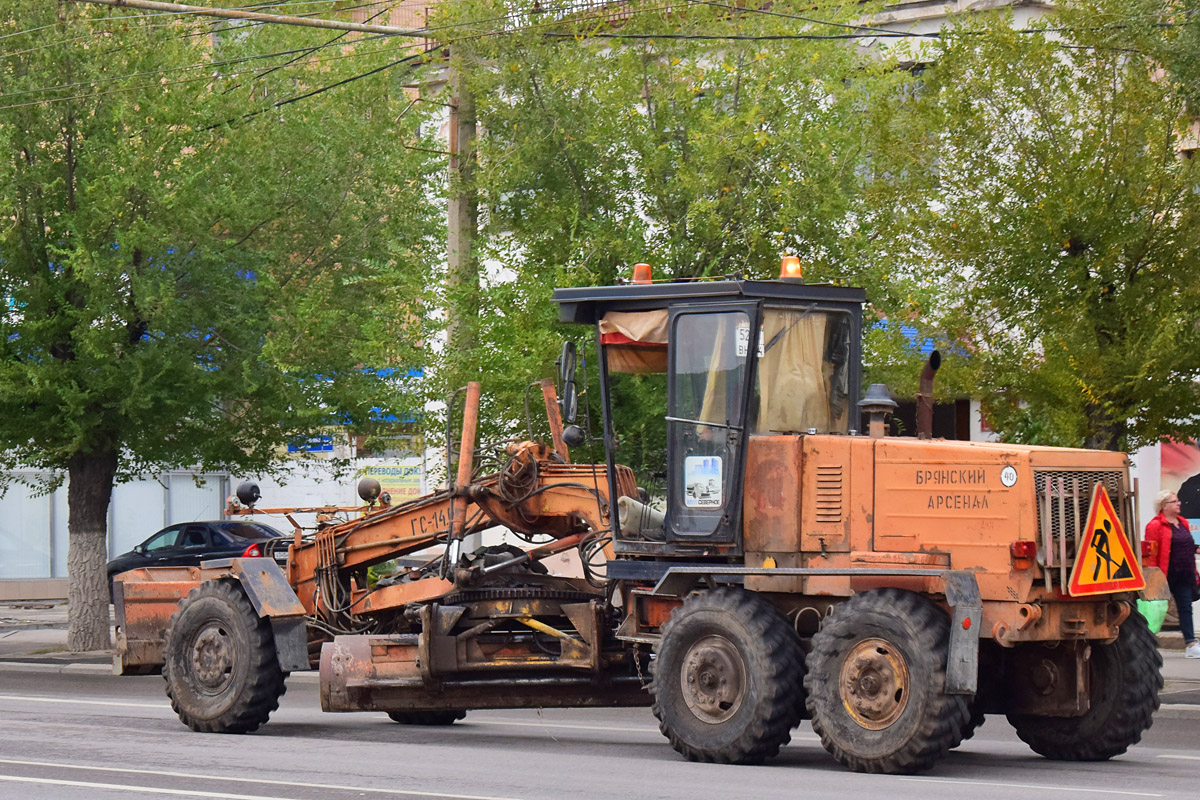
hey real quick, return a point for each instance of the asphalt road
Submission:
(68, 736)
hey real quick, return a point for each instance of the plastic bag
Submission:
(1155, 611)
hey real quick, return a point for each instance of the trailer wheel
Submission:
(427, 717)
(220, 664)
(727, 678)
(876, 684)
(1125, 678)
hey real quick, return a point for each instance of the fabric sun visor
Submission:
(635, 341)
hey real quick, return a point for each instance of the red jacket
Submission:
(1159, 530)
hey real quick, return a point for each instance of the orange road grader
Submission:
(769, 563)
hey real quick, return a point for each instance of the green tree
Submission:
(1057, 221)
(194, 270)
(706, 140)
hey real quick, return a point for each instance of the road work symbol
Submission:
(1104, 561)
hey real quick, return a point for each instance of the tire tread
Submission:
(264, 684)
(777, 711)
(1132, 710)
(943, 721)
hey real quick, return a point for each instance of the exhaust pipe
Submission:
(925, 396)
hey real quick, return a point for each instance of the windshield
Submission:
(803, 372)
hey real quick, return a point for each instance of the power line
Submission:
(245, 59)
(143, 26)
(180, 82)
(230, 13)
(201, 65)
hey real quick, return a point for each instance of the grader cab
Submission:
(766, 563)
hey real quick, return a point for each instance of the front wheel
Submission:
(877, 684)
(728, 675)
(1125, 678)
(220, 665)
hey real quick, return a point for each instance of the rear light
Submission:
(1023, 554)
(253, 551)
(1150, 554)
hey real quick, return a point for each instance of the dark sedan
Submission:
(189, 543)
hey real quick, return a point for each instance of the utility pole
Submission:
(462, 224)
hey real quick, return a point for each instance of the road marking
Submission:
(559, 725)
(472, 721)
(224, 778)
(609, 728)
(1031, 786)
(122, 787)
(1180, 758)
(75, 702)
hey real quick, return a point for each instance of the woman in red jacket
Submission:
(1177, 559)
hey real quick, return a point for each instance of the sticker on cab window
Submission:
(702, 482)
(743, 340)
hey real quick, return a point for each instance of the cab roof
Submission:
(587, 304)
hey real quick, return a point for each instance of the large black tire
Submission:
(728, 678)
(975, 718)
(427, 717)
(220, 664)
(876, 684)
(1125, 677)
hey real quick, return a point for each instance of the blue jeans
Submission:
(1181, 590)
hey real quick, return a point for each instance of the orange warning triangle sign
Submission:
(1104, 561)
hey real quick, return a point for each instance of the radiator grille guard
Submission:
(1063, 498)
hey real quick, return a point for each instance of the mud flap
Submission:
(962, 662)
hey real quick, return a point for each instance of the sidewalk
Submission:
(33, 636)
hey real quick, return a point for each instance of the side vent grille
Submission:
(829, 493)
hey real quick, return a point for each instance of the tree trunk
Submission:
(88, 494)
(1103, 432)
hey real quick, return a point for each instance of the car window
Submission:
(251, 531)
(194, 537)
(163, 539)
(220, 539)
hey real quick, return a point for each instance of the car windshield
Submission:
(250, 531)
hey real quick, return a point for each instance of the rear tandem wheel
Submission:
(1125, 678)
(876, 683)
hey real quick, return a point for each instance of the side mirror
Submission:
(568, 397)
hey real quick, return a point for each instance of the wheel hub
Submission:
(874, 684)
(212, 658)
(713, 679)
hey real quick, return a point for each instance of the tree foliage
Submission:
(1060, 219)
(706, 140)
(195, 271)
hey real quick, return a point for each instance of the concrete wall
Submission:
(33, 523)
